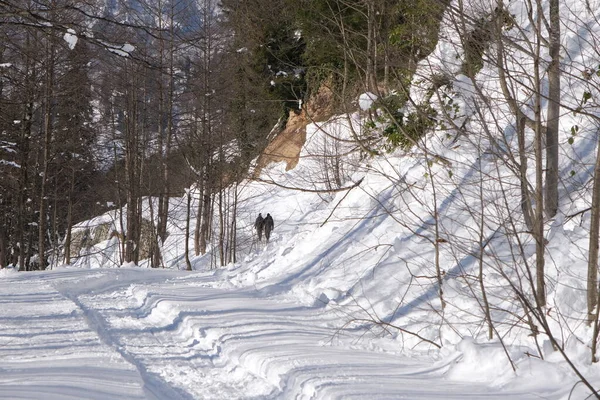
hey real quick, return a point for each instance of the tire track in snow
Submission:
(275, 349)
(152, 322)
(177, 334)
(48, 351)
(238, 344)
(154, 387)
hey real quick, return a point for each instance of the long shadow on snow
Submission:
(461, 266)
(470, 259)
(339, 247)
(154, 387)
(374, 217)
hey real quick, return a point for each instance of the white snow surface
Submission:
(123, 50)
(366, 100)
(130, 333)
(284, 322)
(292, 319)
(70, 37)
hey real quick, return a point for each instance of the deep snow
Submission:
(294, 318)
(133, 333)
(287, 321)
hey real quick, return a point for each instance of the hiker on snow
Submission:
(259, 225)
(268, 222)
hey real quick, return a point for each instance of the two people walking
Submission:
(265, 224)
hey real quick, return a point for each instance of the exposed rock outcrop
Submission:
(286, 146)
(84, 238)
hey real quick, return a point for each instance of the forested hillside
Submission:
(104, 102)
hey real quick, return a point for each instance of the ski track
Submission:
(50, 352)
(154, 387)
(170, 335)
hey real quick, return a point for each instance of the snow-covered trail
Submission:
(131, 333)
(49, 351)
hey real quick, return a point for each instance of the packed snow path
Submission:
(134, 334)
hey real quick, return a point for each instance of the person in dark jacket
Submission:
(269, 225)
(259, 225)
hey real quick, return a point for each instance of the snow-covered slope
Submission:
(131, 333)
(344, 302)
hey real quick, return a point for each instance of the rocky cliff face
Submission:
(286, 145)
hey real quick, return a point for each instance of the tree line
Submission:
(103, 103)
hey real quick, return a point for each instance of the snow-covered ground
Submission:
(292, 318)
(344, 301)
(139, 334)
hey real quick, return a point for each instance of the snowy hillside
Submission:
(375, 289)
(290, 320)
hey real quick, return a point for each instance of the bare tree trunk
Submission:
(222, 227)
(187, 231)
(170, 127)
(233, 233)
(205, 228)
(482, 244)
(31, 240)
(154, 245)
(68, 233)
(44, 162)
(198, 219)
(3, 247)
(160, 140)
(55, 237)
(23, 184)
(538, 224)
(132, 160)
(526, 207)
(371, 84)
(553, 112)
(164, 198)
(592, 278)
(437, 239)
(522, 121)
(122, 234)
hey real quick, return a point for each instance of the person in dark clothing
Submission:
(268, 226)
(259, 225)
